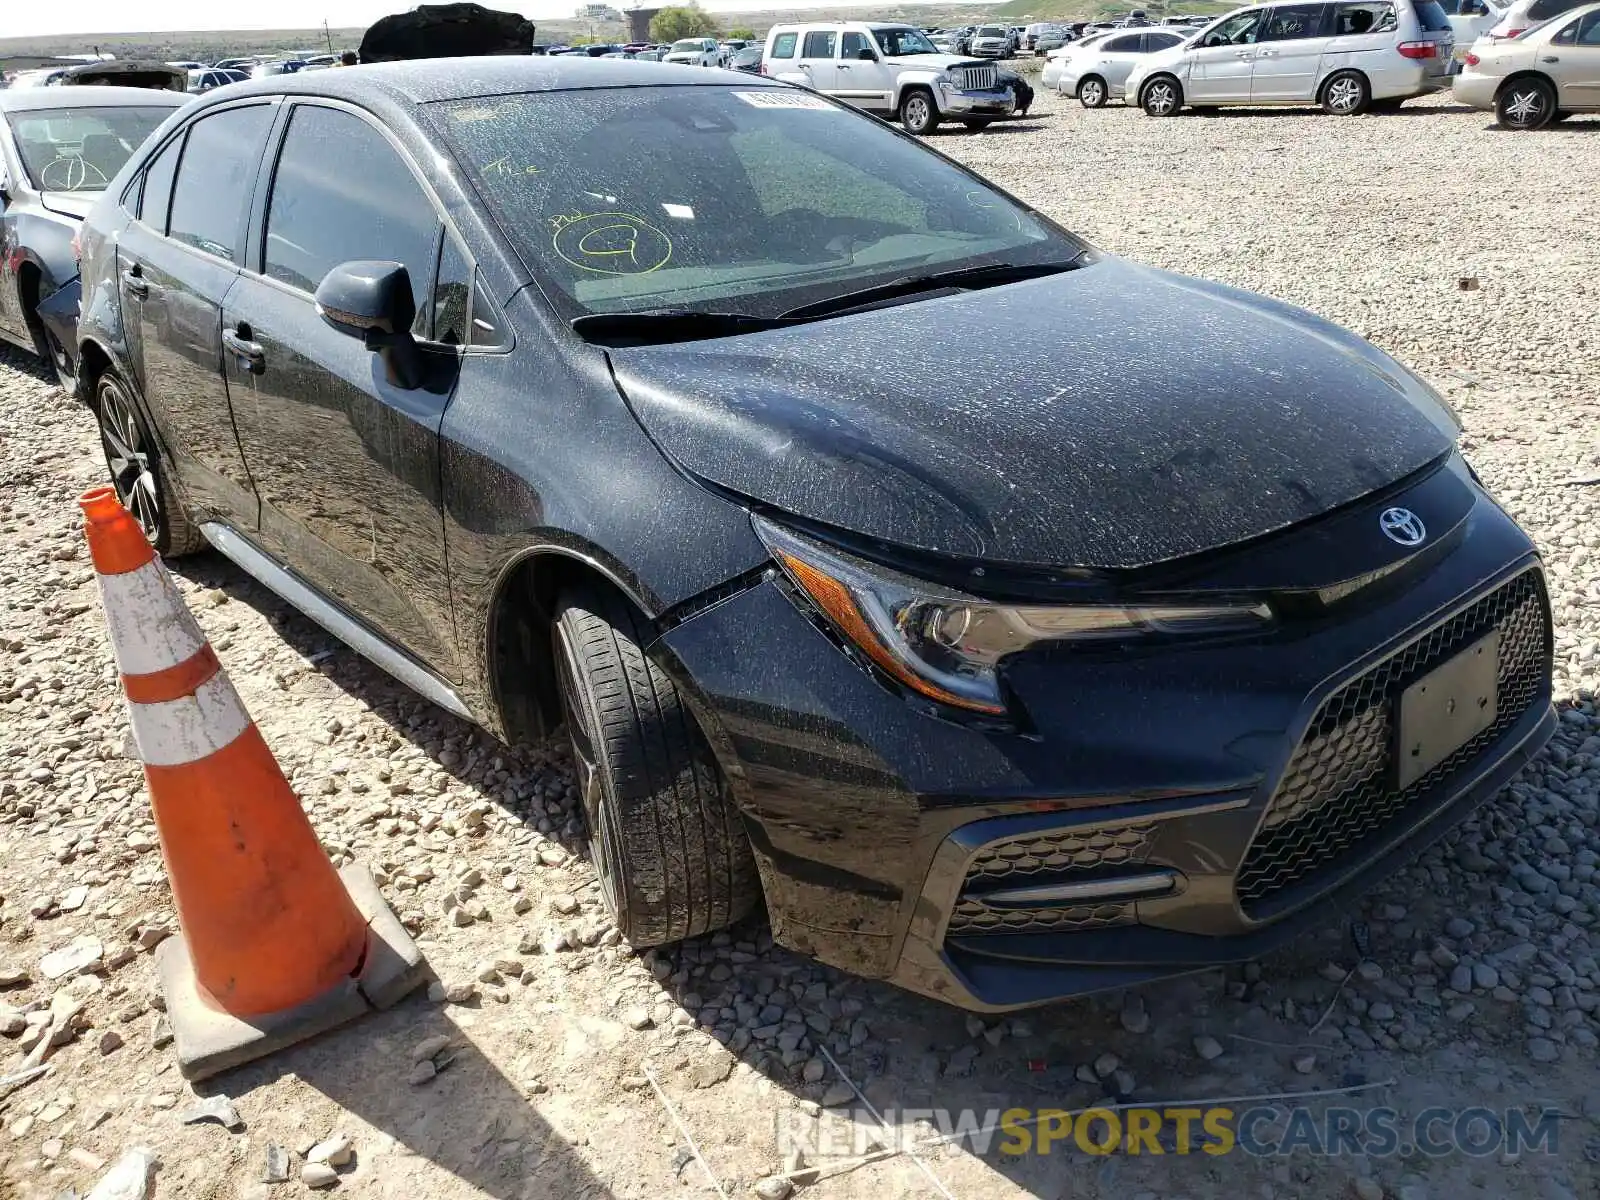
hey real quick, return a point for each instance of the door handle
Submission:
(132, 280)
(251, 356)
(1550, 58)
(1244, 53)
(844, 66)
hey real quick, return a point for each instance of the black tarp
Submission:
(446, 31)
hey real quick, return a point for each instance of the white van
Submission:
(1347, 55)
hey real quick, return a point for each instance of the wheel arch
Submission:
(1525, 75)
(1077, 90)
(1170, 76)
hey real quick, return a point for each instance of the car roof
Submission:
(89, 96)
(422, 81)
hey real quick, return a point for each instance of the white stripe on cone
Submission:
(187, 730)
(151, 627)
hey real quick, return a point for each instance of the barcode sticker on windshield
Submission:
(774, 98)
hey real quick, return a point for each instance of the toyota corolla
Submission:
(603, 395)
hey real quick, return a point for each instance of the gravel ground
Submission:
(1466, 252)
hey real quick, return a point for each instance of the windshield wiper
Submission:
(654, 326)
(990, 275)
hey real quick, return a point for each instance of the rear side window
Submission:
(783, 45)
(1124, 45)
(341, 192)
(1432, 16)
(214, 179)
(818, 45)
(1373, 17)
(157, 195)
(1543, 10)
(1161, 41)
(1291, 22)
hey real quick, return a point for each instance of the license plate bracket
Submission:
(1446, 709)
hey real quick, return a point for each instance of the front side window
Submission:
(819, 44)
(1240, 29)
(79, 149)
(897, 43)
(1589, 30)
(783, 45)
(1292, 22)
(852, 44)
(342, 192)
(723, 198)
(219, 165)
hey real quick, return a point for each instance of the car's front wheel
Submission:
(140, 479)
(918, 113)
(1092, 92)
(1525, 104)
(664, 836)
(1161, 97)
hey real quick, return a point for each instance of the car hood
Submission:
(70, 204)
(936, 62)
(1111, 417)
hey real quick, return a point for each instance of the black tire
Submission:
(1346, 94)
(1161, 96)
(1092, 92)
(918, 112)
(665, 838)
(1525, 104)
(140, 478)
(978, 126)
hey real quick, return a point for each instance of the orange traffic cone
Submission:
(276, 944)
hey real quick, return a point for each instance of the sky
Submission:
(22, 19)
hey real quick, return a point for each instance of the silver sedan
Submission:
(1549, 72)
(1095, 69)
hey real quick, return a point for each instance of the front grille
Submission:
(1338, 791)
(1060, 855)
(977, 79)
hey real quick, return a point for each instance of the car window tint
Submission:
(342, 193)
(1431, 16)
(818, 45)
(1238, 30)
(1543, 10)
(214, 178)
(1162, 41)
(1123, 45)
(1589, 30)
(853, 44)
(73, 149)
(487, 328)
(1293, 21)
(452, 293)
(783, 45)
(1376, 17)
(158, 176)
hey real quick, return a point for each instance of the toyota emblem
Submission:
(1403, 526)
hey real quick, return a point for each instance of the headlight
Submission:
(945, 645)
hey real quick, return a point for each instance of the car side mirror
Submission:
(866, 55)
(371, 300)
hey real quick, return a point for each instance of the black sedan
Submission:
(600, 394)
(58, 150)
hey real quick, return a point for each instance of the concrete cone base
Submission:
(209, 1040)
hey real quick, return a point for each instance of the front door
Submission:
(1222, 62)
(817, 63)
(861, 78)
(1572, 59)
(346, 460)
(1289, 53)
(177, 262)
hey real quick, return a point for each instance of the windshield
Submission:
(80, 149)
(993, 31)
(897, 43)
(721, 199)
(688, 45)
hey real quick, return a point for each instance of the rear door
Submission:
(817, 48)
(1572, 59)
(1222, 61)
(1289, 53)
(347, 462)
(177, 262)
(862, 81)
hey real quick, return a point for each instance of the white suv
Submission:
(695, 52)
(889, 70)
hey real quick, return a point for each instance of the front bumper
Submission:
(997, 102)
(882, 833)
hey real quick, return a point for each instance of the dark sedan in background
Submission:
(58, 150)
(598, 393)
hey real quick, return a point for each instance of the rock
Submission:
(486, 972)
(1543, 1050)
(774, 1188)
(213, 1108)
(552, 856)
(459, 991)
(1381, 1011)
(1459, 927)
(12, 975)
(129, 1177)
(974, 1027)
(961, 1061)
(814, 1070)
(1485, 976)
(838, 1093)
(335, 1151)
(318, 1175)
(564, 904)
(1106, 1064)
(1135, 1017)
(638, 1018)
(82, 954)
(75, 898)
(715, 1066)
(422, 1072)
(276, 1169)
(1367, 1189)
(110, 1040)
(1304, 1063)
(1461, 978)
(429, 1047)
(1207, 1047)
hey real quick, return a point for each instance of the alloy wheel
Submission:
(917, 111)
(129, 458)
(1524, 106)
(1160, 98)
(605, 845)
(1092, 94)
(1344, 95)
